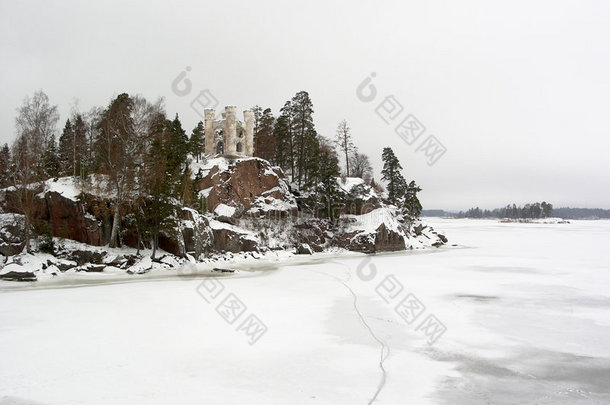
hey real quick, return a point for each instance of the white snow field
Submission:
(526, 309)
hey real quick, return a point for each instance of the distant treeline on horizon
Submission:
(564, 212)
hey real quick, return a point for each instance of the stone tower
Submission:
(229, 136)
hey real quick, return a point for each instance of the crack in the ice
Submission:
(384, 348)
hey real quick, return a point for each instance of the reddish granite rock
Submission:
(69, 220)
(249, 183)
(65, 215)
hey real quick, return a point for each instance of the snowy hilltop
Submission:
(244, 206)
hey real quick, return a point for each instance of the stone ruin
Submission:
(229, 136)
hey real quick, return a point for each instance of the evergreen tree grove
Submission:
(328, 191)
(296, 140)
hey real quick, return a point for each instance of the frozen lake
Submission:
(516, 313)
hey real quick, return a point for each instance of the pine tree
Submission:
(295, 137)
(66, 149)
(197, 141)
(284, 140)
(315, 164)
(5, 159)
(178, 145)
(161, 181)
(93, 119)
(73, 146)
(304, 133)
(81, 146)
(391, 173)
(258, 114)
(188, 188)
(411, 208)
(50, 158)
(264, 140)
(328, 191)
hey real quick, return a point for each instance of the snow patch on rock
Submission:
(224, 210)
(68, 187)
(348, 183)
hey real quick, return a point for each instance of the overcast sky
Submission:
(517, 92)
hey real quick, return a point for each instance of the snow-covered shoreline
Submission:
(525, 309)
(245, 264)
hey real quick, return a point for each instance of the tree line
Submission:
(141, 152)
(144, 156)
(292, 142)
(528, 211)
(581, 213)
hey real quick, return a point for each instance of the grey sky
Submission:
(517, 91)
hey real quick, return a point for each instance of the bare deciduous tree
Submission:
(345, 143)
(116, 149)
(361, 166)
(35, 123)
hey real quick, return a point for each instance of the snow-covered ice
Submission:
(526, 309)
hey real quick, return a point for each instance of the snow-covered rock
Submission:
(380, 230)
(223, 210)
(360, 197)
(196, 232)
(246, 206)
(140, 267)
(225, 213)
(59, 205)
(230, 238)
(11, 234)
(250, 185)
(348, 183)
(304, 249)
(67, 187)
(26, 267)
(15, 275)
